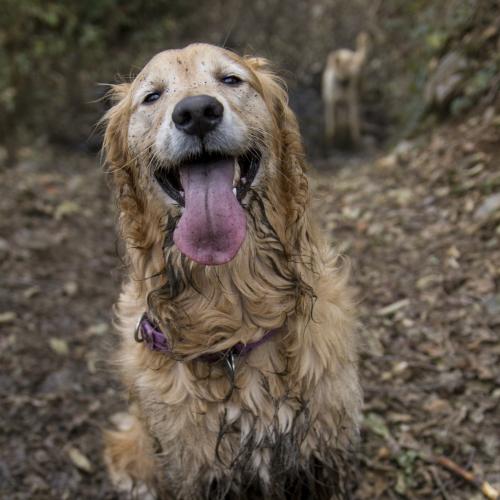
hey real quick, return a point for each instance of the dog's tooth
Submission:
(234, 191)
(237, 173)
(243, 180)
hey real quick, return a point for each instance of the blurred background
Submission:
(416, 207)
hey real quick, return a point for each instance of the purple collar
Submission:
(147, 332)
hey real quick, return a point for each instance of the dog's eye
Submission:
(152, 97)
(231, 80)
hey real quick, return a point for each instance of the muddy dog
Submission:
(340, 92)
(236, 321)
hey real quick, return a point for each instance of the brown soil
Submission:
(426, 262)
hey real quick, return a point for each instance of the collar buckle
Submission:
(229, 363)
(138, 337)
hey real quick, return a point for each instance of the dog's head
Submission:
(347, 63)
(198, 133)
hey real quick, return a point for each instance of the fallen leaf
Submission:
(401, 486)
(394, 307)
(65, 209)
(400, 367)
(98, 329)
(7, 317)
(429, 280)
(79, 460)
(70, 288)
(383, 453)
(59, 346)
(437, 405)
(31, 292)
(489, 206)
(377, 425)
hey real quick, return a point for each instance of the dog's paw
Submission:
(123, 483)
(129, 457)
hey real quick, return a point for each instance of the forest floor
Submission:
(421, 226)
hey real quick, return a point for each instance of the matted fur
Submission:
(283, 428)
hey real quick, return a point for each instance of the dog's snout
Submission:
(197, 115)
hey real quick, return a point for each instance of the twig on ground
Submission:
(439, 483)
(486, 489)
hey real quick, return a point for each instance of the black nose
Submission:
(197, 115)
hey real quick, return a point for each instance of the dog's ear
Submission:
(271, 87)
(116, 122)
(257, 63)
(288, 140)
(362, 42)
(121, 166)
(117, 92)
(115, 147)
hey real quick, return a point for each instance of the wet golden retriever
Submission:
(236, 324)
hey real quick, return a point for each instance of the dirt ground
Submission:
(421, 226)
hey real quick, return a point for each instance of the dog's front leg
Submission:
(329, 121)
(129, 456)
(354, 124)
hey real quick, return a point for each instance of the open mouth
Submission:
(211, 188)
(246, 167)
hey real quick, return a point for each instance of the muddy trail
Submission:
(421, 227)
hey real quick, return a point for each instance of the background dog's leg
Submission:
(329, 121)
(354, 124)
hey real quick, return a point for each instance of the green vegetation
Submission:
(53, 54)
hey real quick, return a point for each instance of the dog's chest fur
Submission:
(281, 428)
(277, 428)
(260, 440)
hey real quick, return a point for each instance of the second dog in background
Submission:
(340, 92)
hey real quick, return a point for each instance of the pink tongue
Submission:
(213, 223)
